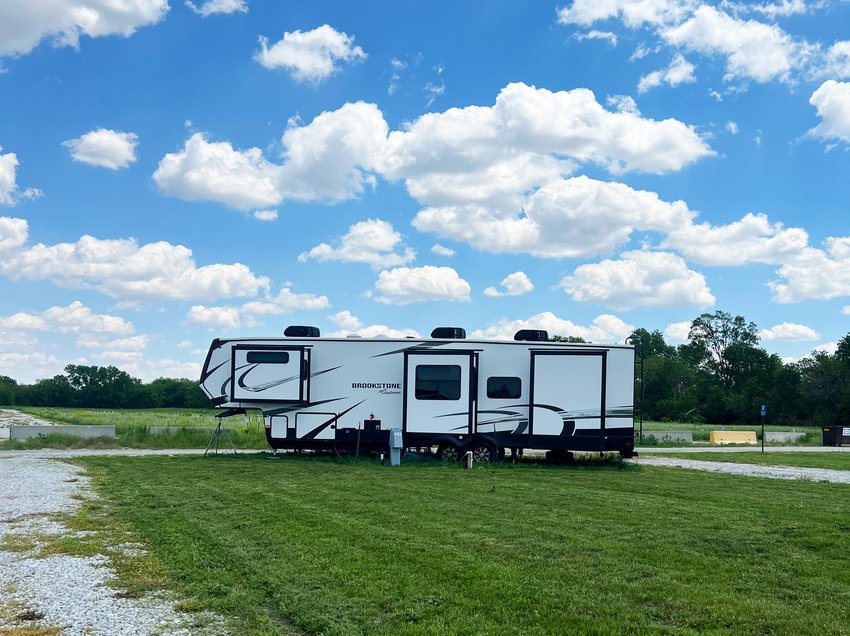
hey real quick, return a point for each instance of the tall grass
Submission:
(156, 428)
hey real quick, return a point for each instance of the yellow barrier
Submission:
(733, 437)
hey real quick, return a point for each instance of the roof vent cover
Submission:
(531, 335)
(451, 333)
(299, 331)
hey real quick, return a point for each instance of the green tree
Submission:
(825, 385)
(567, 339)
(104, 387)
(651, 344)
(715, 333)
(178, 393)
(668, 392)
(55, 391)
(8, 389)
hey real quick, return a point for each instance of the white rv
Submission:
(448, 392)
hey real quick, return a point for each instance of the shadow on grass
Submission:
(580, 461)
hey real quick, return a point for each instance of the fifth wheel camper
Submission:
(444, 392)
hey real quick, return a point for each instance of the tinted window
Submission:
(508, 388)
(438, 382)
(268, 357)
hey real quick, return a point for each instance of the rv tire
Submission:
(483, 452)
(448, 453)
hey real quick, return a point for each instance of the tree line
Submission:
(720, 376)
(103, 387)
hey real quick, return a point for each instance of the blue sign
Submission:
(763, 410)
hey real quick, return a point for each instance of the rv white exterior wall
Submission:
(363, 379)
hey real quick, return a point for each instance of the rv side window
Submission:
(507, 388)
(268, 357)
(438, 382)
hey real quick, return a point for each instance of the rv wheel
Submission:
(483, 452)
(448, 453)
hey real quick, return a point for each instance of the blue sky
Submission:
(174, 172)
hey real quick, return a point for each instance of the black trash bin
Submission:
(835, 435)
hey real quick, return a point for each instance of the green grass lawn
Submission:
(836, 461)
(300, 545)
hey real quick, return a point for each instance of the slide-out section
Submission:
(269, 373)
(568, 393)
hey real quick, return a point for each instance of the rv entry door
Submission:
(439, 392)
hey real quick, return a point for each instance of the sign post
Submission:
(763, 412)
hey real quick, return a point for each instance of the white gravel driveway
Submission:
(61, 591)
(751, 470)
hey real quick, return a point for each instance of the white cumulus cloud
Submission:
(265, 215)
(577, 217)
(634, 13)
(13, 233)
(514, 284)
(490, 158)
(821, 275)
(678, 331)
(753, 50)
(350, 325)
(332, 156)
(10, 194)
(108, 148)
(75, 318)
(214, 171)
(132, 347)
(753, 239)
(371, 241)
(836, 63)
(346, 321)
(404, 285)
(28, 366)
(832, 101)
(789, 331)
(286, 302)
(311, 56)
(441, 250)
(329, 159)
(466, 154)
(604, 328)
(213, 318)
(25, 23)
(211, 7)
(122, 269)
(639, 279)
(680, 71)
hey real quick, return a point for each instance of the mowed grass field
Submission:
(300, 545)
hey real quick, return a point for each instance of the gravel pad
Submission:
(752, 470)
(61, 591)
